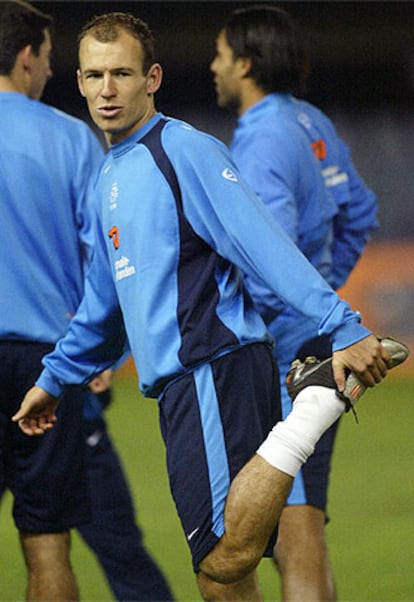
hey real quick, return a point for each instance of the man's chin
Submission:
(230, 104)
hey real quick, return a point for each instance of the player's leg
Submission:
(258, 492)
(229, 498)
(301, 553)
(254, 504)
(46, 476)
(302, 556)
(212, 421)
(113, 533)
(47, 557)
(315, 474)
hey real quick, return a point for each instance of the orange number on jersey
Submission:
(114, 235)
(319, 149)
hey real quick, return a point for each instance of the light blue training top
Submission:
(177, 224)
(47, 162)
(290, 153)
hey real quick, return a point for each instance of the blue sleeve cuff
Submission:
(50, 384)
(348, 334)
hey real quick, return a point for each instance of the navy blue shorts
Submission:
(310, 486)
(46, 474)
(212, 421)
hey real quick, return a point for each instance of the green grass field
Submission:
(371, 533)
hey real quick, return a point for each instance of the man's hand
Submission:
(37, 412)
(367, 358)
(102, 382)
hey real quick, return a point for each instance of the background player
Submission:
(327, 210)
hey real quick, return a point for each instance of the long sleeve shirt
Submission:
(290, 153)
(46, 217)
(178, 225)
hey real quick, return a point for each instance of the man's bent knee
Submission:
(226, 565)
(246, 589)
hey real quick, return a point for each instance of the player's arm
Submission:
(95, 341)
(229, 216)
(37, 413)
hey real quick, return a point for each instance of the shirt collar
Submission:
(275, 101)
(132, 139)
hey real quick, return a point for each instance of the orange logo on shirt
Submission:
(319, 149)
(114, 235)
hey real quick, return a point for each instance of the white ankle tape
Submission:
(291, 442)
(315, 409)
(284, 450)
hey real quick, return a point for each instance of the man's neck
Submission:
(251, 95)
(7, 84)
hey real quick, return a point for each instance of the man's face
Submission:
(111, 78)
(41, 71)
(227, 74)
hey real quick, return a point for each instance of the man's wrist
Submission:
(50, 384)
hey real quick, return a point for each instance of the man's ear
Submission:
(80, 82)
(25, 56)
(154, 78)
(245, 66)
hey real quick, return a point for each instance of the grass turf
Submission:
(370, 535)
